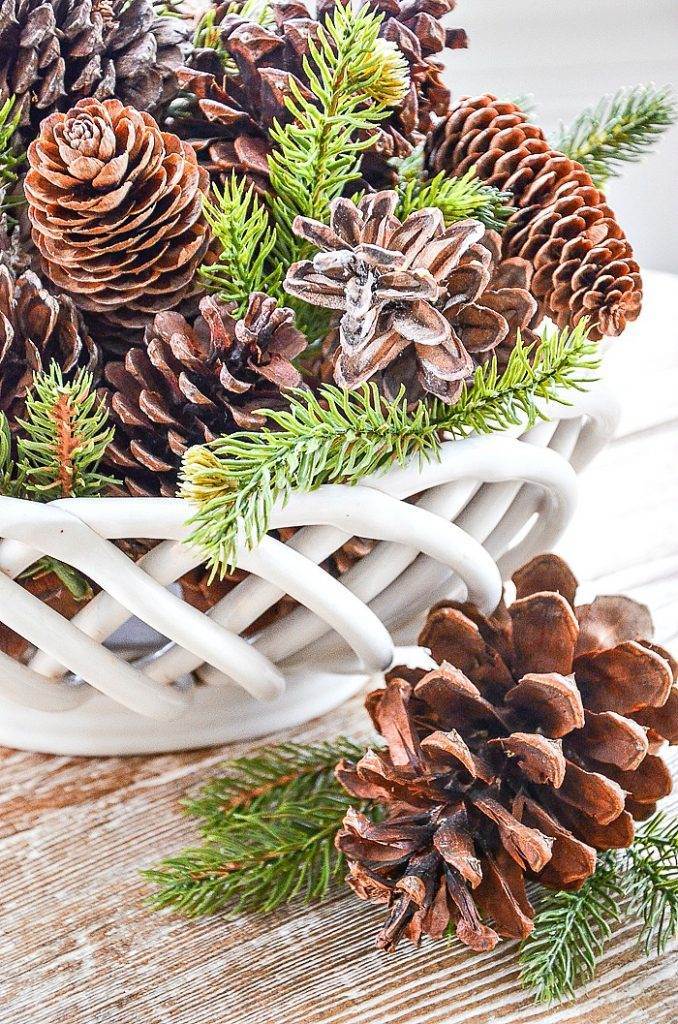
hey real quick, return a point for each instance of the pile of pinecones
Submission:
(130, 110)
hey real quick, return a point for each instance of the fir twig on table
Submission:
(269, 822)
(284, 772)
(570, 932)
(342, 437)
(620, 129)
(652, 881)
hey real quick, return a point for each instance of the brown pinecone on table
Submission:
(188, 383)
(35, 328)
(532, 746)
(583, 263)
(415, 300)
(116, 209)
(226, 112)
(53, 54)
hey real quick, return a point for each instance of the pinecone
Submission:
(116, 209)
(36, 328)
(189, 383)
(53, 54)
(531, 747)
(583, 263)
(416, 300)
(227, 116)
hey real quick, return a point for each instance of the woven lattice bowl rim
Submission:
(488, 504)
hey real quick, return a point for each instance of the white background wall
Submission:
(568, 53)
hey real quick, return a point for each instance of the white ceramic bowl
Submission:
(484, 508)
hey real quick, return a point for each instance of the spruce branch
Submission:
(10, 481)
(65, 435)
(59, 449)
(283, 772)
(241, 225)
(342, 437)
(571, 928)
(11, 158)
(619, 129)
(354, 77)
(457, 198)
(652, 881)
(269, 827)
(570, 932)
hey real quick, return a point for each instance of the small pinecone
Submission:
(531, 747)
(227, 117)
(417, 301)
(583, 263)
(116, 209)
(36, 328)
(53, 54)
(187, 384)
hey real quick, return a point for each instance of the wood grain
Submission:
(79, 946)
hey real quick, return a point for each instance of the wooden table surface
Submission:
(79, 947)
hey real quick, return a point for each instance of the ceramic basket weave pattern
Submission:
(486, 506)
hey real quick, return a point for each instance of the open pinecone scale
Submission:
(533, 745)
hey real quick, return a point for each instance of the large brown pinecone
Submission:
(187, 384)
(116, 209)
(531, 747)
(228, 116)
(583, 263)
(415, 300)
(53, 54)
(36, 328)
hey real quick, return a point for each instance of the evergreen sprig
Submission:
(620, 129)
(652, 881)
(11, 156)
(353, 77)
(570, 931)
(268, 828)
(59, 446)
(457, 198)
(241, 224)
(338, 436)
(283, 772)
(268, 823)
(65, 435)
(571, 928)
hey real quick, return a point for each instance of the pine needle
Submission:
(652, 881)
(341, 437)
(269, 823)
(241, 225)
(457, 198)
(620, 129)
(570, 932)
(65, 435)
(353, 77)
(283, 772)
(11, 156)
(62, 441)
